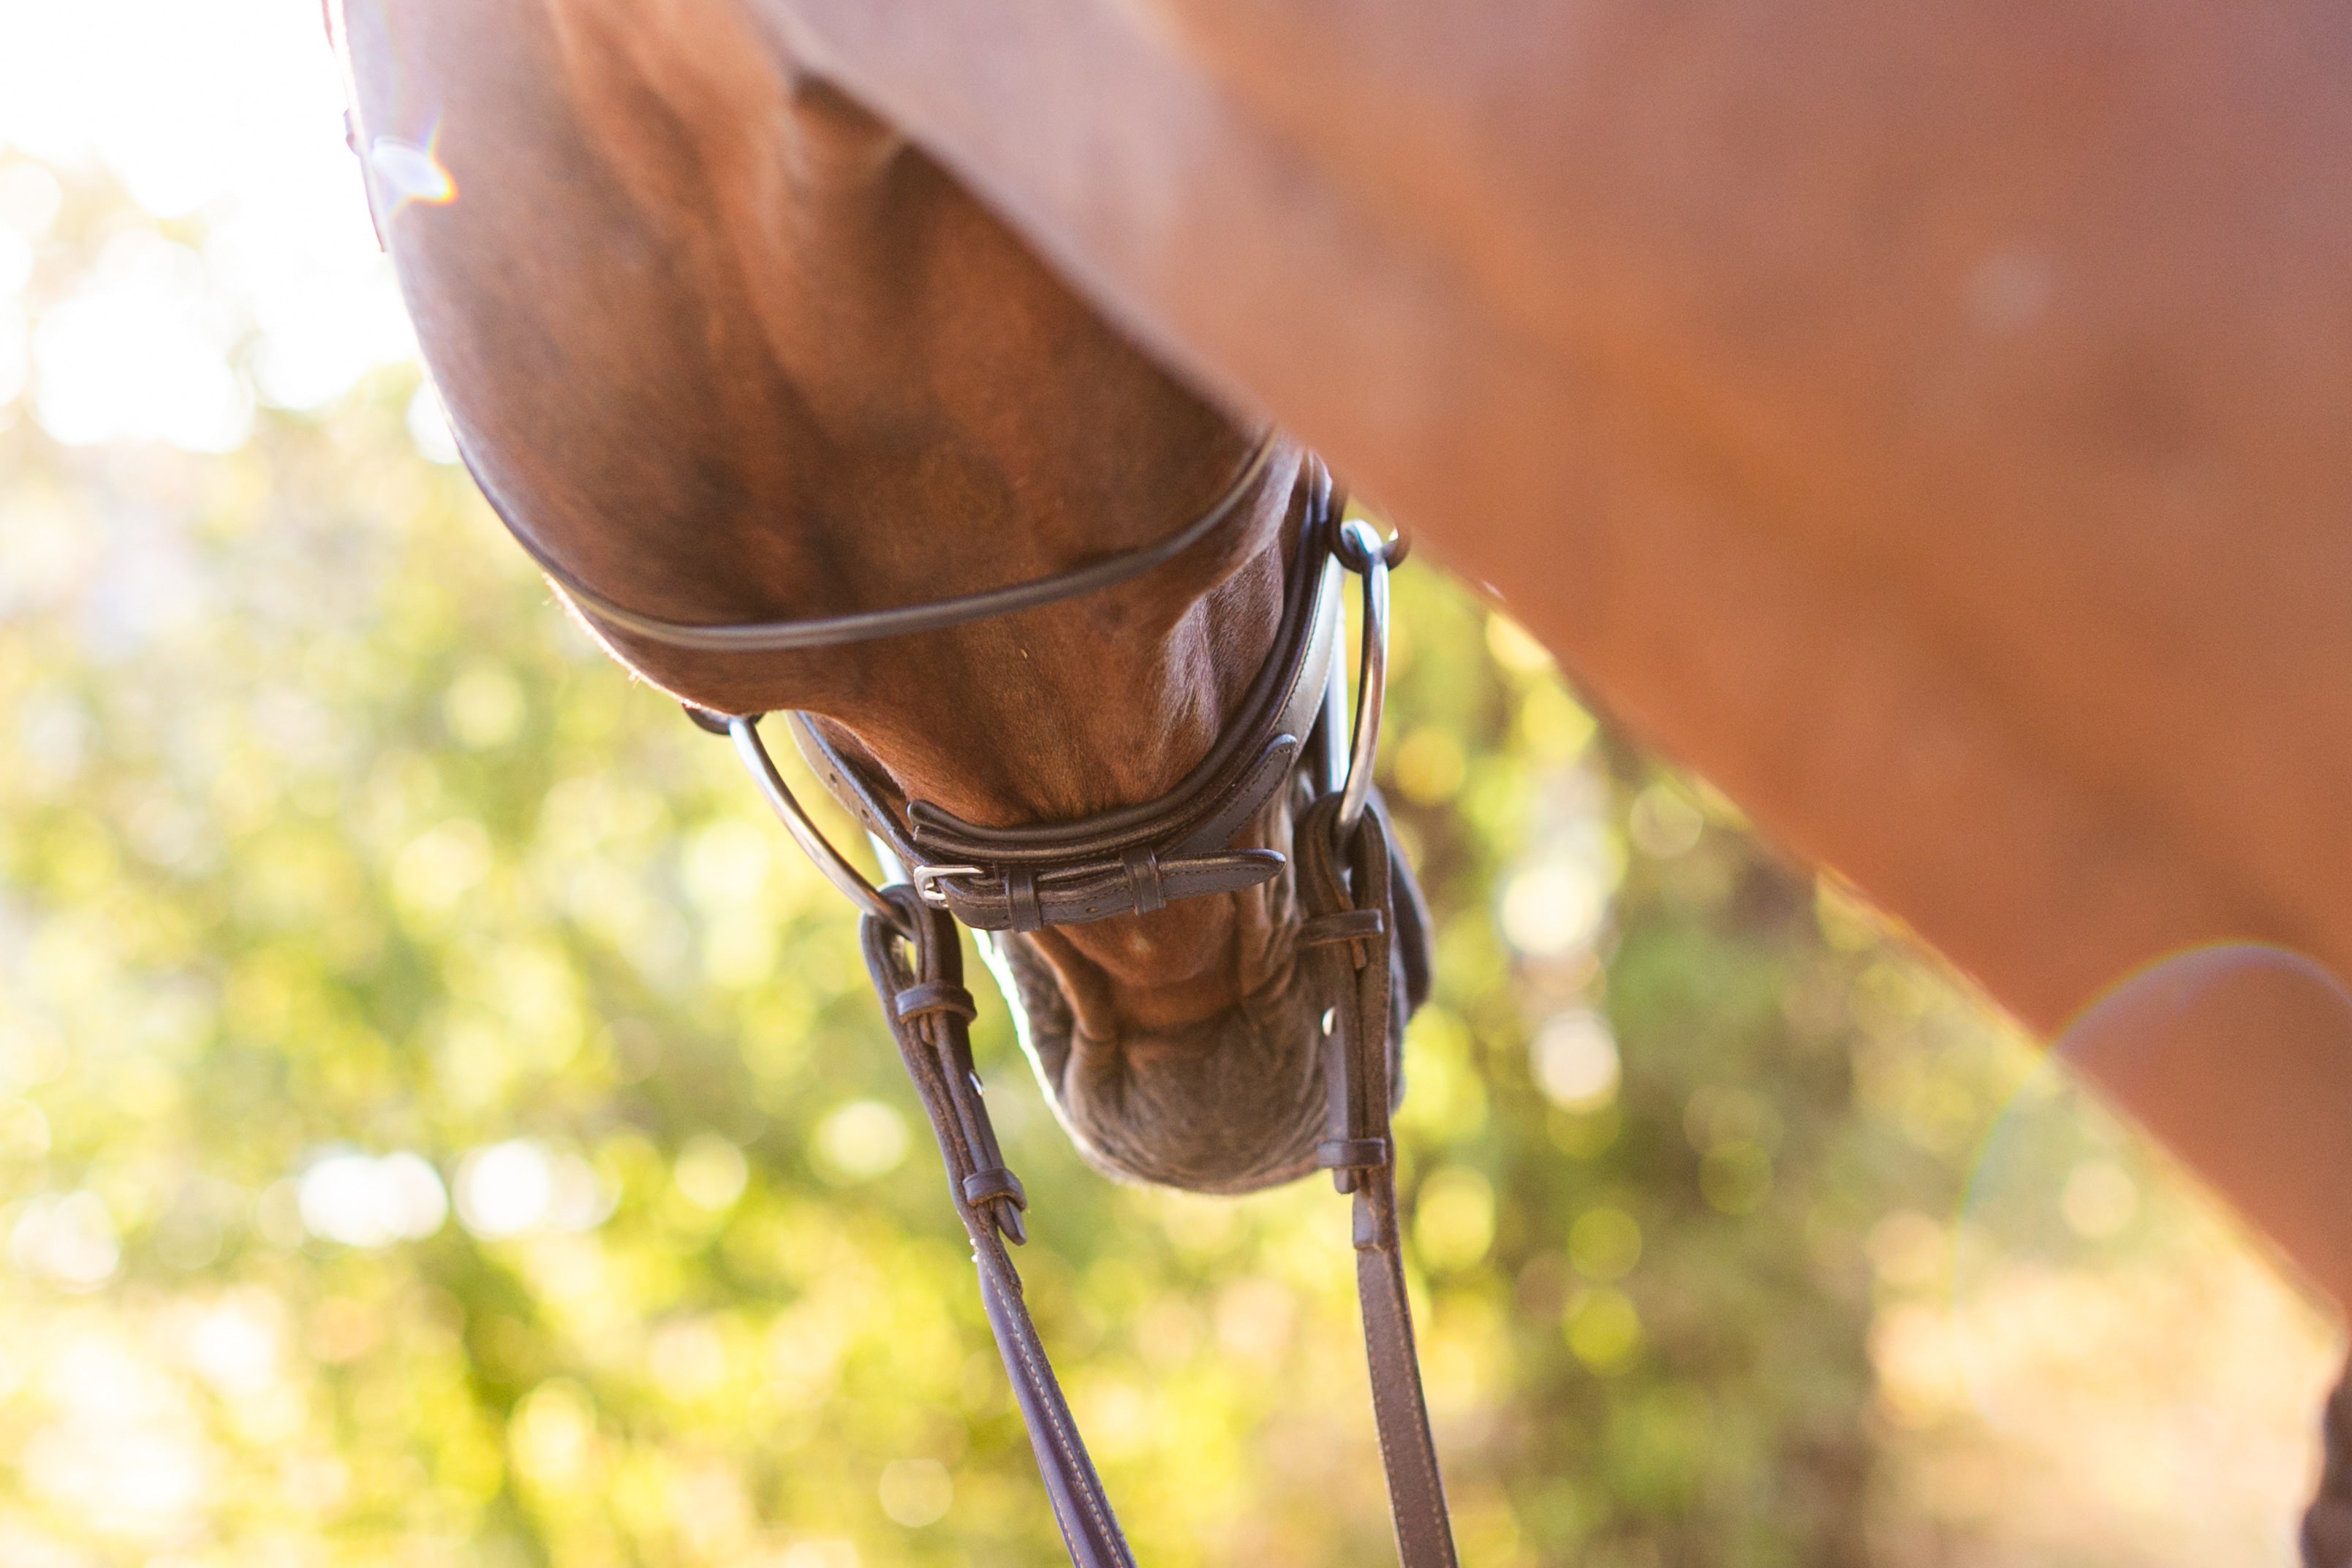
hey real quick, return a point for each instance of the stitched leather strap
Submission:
(1351, 905)
(1137, 859)
(898, 621)
(1132, 858)
(937, 1051)
(1336, 884)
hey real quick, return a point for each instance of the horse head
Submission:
(729, 348)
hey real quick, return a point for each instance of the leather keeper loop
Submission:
(995, 1182)
(1020, 899)
(1349, 926)
(1143, 881)
(935, 997)
(1352, 1154)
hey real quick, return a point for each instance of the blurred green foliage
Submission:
(325, 840)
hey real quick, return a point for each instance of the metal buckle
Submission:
(1362, 550)
(926, 877)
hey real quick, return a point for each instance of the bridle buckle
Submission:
(925, 879)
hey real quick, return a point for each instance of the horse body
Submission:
(729, 348)
(1935, 415)
(1927, 425)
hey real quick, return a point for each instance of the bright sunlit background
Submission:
(441, 1122)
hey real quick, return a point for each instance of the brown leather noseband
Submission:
(1135, 859)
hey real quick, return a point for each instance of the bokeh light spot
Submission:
(862, 1140)
(1575, 1060)
(1736, 1176)
(441, 865)
(552, 1432)
(69, 1240)
(1553, 909)
(140, 352)
(1514, 648)
(1453, 1220)
(1254, 1318)
(484, 706)
(711, 1172)
(1604, 1244)
(361, 1201)
(1908, 1251)
(1665, 823)
(687, 1358)
(429, 428)
(505, 1189)
(1604, 1329)
(2100, 1198)
(1430, 765)
(916, 1492)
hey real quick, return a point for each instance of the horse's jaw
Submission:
(1229, 1098)
(1230, 1103)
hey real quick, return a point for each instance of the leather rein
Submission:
(1135, 859)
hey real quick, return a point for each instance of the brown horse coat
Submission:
(1930, 424)
(728, 348)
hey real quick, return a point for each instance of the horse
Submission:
(1913, 423)
(1925, 425)
(793, 423)
(820, 377)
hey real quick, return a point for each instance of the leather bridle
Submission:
(1135, 859)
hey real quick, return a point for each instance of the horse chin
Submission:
(1231, 1104)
